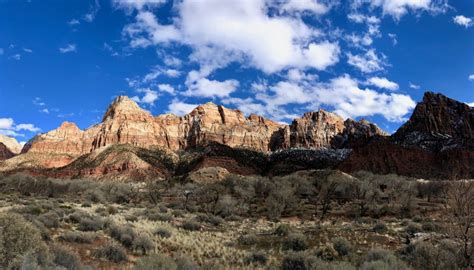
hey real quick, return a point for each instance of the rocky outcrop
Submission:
(436, 142)
(5, 152)
(321, 129)
(11, 144)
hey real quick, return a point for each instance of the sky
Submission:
(363, 59)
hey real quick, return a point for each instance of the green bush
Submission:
(162, 232)
(256, 257)
(248, 239)
(380, 227)
(294, 261)
(295, 242)
(17, 238)
(111, 253)
(342, 246)
(50, 219)
(91, 224)
(191, 225)
(78, 237)
(66, 259)
(123, 234)
(143, 244)
(282, 230)
(156, 262)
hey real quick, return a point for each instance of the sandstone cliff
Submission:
(11, 144)
(436, 142)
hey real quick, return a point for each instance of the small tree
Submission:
(460, 212)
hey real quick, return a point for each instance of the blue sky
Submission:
(373, 59)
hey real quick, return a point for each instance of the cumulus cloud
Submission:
(471, 77)
(398, 8)
(383, 83)
(93, 9)
(9, 128)
(180, 108)
(166, 88)
(414, 86)
(240, 31)
(203, 87)
(313, 6)
(368, 62)
(463, 21)
(68, 48)
(73, 22)
(148, 96)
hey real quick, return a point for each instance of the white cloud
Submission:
(393, 37)
(149, 96)
(46, 111)
(348, 100)
(463, 21)
(157, 71)
(414, 86)
(398, 8)
(166, 88)
(137, 4)
(180, 108)
(68, 48)
(383, 83)
(172, 72)
(342, 93)
(471, 77)
(220, 32)
(172, 61)
(27, 50)
(313, 6)
(2, 51)
(93, 9)
(470, 104)
(16, 57)
(74, 22)
(368, 62)
(203, 87)
(9, 128)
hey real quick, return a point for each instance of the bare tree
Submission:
(460, 210)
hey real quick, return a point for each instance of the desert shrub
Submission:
(256, 257)
(211, 219)
(123, 234)
(44, 232)
(120, 193)
(91, 224)
(111, 253)
(282, 230)
(156, 262)
(162, 232)
(380, 227)
(95, 196)
(425, 256)
(66, 259)
(382, 259)
(143, 244)
(49, 219)
(185, 263)
(18, 237)
(160, 217)
(412, 228)
(225, 206)
(317, 263)
(191, 225)
(428, 226)
(248, 239)
(294, 261)
(37, 259)
(112, 210)
(342, 246)
(131, 218)
(78, 237)
(295, 241)
(417, 219)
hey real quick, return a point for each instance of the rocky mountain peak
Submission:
(11, 144)
(438, 115)
(124, 108)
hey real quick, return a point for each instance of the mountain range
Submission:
(131, 144)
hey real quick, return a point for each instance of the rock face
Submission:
(323, 129)
(436, 142)
(5, 152)
(11, 144)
